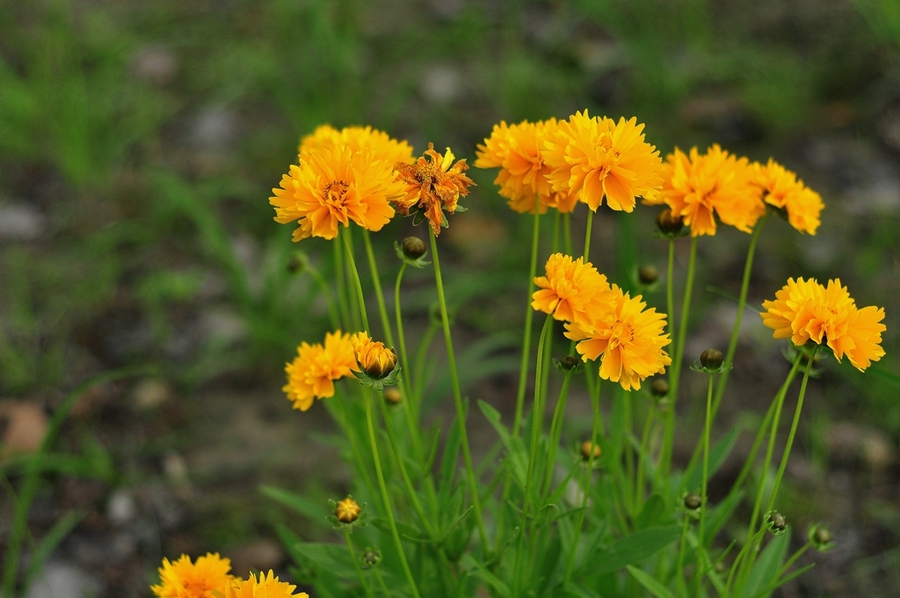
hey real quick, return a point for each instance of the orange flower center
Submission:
(335, 191)
(426, 173)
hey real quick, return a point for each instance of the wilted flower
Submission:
(184, 579)
(312, 373)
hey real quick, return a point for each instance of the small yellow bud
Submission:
(347, 510)
(589, 449)
(392, 395)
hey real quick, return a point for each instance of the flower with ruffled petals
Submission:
(807, 311)
(597, 158)
(433, 186)
(700, 187)
(332, 186)
(571, 290)
(784, 191)
(359, 139)
(312, 373)
(518, 151)
(372, 357)
(184, 579)
(628, 339)
(264, 586)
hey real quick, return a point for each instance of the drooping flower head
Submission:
(433, 186)
(518, 150)
(597, 158)
(804, 311)
(264, 586)
(629, 341)
(700, 188)
(372, 357)
(571, 290)
(184, 579)
(334, 185)
(782, 189)
(312, 373)
(359, 139)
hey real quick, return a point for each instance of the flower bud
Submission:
(347, 510)
(820, 537)
(659, 388)
(648, 274)
(413, 247)
(668, 223)
(298, 263)
(589, 449)
(373, 358)
(693, 501)
(711, 359)
(392, 395)
(776, 522)
(567, 363)
(370, 557)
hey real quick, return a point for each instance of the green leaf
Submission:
(649, 583)
(315, 512)
(631, 549)
(653, 513)
(719, 516)
(477, 569)
(717, 455)
(766, 568)
(48, 543)
(329, 557)
(516, 455)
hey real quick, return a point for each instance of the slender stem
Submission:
(675, 371)
(359, 572)
(380, 578)
(742, 302)
(567, 232)
(529, 324)
(644, 456)
(410, 402)
(679, 564)
(457, 396)
(670, 291)
(333, 315)
(354, 273)
(556, 430)
(379, 295)
(704, 503)
(587, 236)
(386, 496)
(537, 415)
(340, 278)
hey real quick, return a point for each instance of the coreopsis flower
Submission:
(312, 373)
(804, 311)
(784, 191)
(433, 186)
(518, 151)
(571, 290)
(372, 357)
(264, 586)
(701, 187)
(184, 579)
(332, 186)
(359, 139)
(629, 340)
(597, 158)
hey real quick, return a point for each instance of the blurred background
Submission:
(139, 142)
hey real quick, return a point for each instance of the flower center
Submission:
(335, 191)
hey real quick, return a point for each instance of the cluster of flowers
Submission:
(588, 159)
(606, 321)
(804, 310)
(210, 577)
(315, 369)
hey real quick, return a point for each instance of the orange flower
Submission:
(184, 579)
(700, 187)
(358, 139)
(518, 151)
(265, 586)
(433, 186)
(628, 338)
(372, 357)
(598, 158)
(312, 373)
(806, 310)
(783, 190)
(571, 290)
(334, 185)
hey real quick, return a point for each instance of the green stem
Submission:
(354, 273)
(679, 566)
(529, 324)
(704, 503)
(457, 397)
(386, 496)
(643, 456)
(556, 431)
(379, 295)
(340, 278)
(537, 415)
(675, 372)
(567, 232)
(380, 578)
(359, 572)
(333, 315)
(587, 236)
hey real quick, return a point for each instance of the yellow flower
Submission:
(347, 510)
(433, 186)
(372, 357)
(783, 190)
(629, 339)
(806, 310)
(334, 185)
(184, 579)
(699, 187)
(571, 290)
(312, 373)
(265, 586)
(518, 151)
(596, 158)
(359, 139)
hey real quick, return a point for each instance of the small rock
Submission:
(441, 84)
(22, 427)
(176, 469)
(151, 393)
(121, 508)
(215, 128)
(21, 222)
(154, 64)
(63, 580)
(850, 443)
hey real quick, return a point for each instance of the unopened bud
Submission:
(711, 359)
(659, 387)
(820, 537)
(648, 274)
(668, 223)
(347, 510)
(413, 247)
(568, 363)
(590, 450)
(371, 557)
(692, 501)
(392, 395)
(776, 522)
